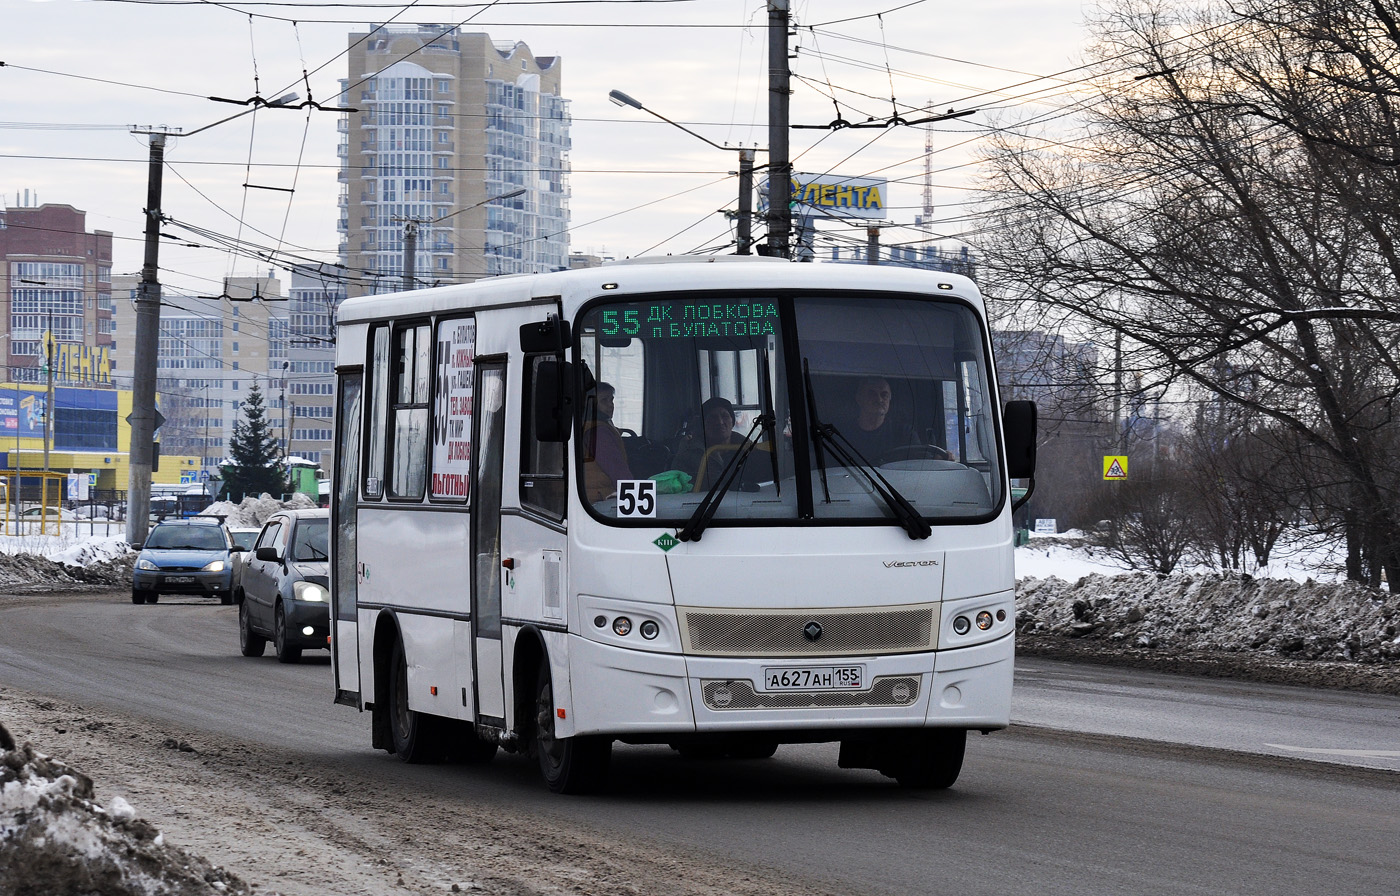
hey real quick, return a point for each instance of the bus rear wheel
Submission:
(577, 764)
(416, 737)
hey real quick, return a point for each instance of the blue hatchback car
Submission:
(190, 556)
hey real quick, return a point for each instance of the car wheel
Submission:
(137, 597)
(249, 643)
(285, 652)
(152, 596)
(238, 596)
(417, 737)
(226, 597)
(577, 764)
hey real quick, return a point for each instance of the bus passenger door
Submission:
(486, 541)
(345, 640)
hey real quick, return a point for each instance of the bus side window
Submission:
(543, 485)
(376, 413)
(412, 369)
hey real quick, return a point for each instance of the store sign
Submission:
(835, 196)
(77, 363)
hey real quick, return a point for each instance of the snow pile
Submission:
(27, 573)
(251, 513)
(1338, 621)
(93, 551)
(55, 838)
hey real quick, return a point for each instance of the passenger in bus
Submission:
(874, 430)
(711, 449)
(605, 457)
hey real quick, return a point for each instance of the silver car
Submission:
(286, 586)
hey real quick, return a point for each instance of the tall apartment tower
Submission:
(447, 122)
(315, 294)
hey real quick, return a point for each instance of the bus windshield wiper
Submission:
(847, 454)
(695, 526)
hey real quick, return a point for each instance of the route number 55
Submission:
(636, 498)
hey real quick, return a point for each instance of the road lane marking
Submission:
(1367, 754)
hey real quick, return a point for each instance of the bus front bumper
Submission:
(634, 695)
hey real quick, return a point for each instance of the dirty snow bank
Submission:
(1339, 621)
(55, 838)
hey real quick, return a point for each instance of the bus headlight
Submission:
(649, 630)
(984, 620)
(622, 626)
(961, 625)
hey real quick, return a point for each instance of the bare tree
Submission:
(1232, 207)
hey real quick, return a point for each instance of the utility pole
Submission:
(779, 166)
(48, 396)
(872, 245)
(410, 252)
(745, 222)
(143, 378)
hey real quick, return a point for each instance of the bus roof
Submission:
(669, 274)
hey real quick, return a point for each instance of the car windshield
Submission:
(861, 407)
(201, 538)
(311, 540)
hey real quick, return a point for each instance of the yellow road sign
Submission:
(1115, 466)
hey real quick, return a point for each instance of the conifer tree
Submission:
(255, 466)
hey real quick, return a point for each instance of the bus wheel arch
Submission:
(529, 652)
(577, 764)
(386, 635)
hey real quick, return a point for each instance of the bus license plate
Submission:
(180, 580)
(814, 678)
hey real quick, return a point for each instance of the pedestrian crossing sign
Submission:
(1115, 466)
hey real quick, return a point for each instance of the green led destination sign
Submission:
(690, 320)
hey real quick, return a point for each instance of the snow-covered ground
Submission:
(1069, 556)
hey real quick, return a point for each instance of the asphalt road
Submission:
(1116, 784)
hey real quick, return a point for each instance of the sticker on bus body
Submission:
(636, 499)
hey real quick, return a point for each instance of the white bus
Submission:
(521, 563)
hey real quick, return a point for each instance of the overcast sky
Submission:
(79, 73)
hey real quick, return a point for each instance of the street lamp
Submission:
(286, 437)
(744, 235)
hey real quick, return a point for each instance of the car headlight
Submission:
(309, 591)
(215, 566)
(143, 563)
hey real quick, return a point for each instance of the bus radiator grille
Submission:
(893, 691)
(789, 633)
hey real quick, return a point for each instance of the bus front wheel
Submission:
(576, 764)
(931, 761)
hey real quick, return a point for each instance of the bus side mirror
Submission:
(546, 337)
(1018, 425)
(553, 400)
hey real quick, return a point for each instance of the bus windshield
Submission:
(822, 407)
